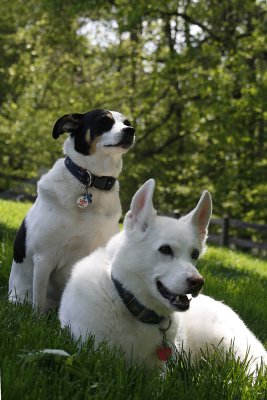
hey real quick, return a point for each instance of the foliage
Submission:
(29, 373)
(190, 74)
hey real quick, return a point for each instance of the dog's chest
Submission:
(103, 204)
(142, 342)
(83, 234)
(67, 235)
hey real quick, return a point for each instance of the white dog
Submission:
(77, 208)
(136, 292)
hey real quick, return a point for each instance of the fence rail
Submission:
(226, 239)
(17, 188)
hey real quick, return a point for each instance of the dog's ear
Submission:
(71, 123)
(200, 216)
(141, 211)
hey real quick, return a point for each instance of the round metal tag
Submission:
(83, 201)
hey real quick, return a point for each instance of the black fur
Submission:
(20, 244)
(96, 121)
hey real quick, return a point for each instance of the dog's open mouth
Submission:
(180, 302)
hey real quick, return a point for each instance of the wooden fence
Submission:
(227, 238)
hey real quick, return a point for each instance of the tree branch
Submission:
(160, 149)
(192, 21)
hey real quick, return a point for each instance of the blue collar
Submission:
(139, 311)
(88, 179)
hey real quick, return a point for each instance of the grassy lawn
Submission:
(237, 279)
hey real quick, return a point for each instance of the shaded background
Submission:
(190, 75)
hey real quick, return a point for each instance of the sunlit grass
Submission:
(12, 213)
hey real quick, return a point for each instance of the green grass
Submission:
(239, 280)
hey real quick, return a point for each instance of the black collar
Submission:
(139, 311)
(87, 178)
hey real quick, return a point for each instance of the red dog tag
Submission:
(164, 353)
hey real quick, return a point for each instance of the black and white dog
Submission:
(77, 208)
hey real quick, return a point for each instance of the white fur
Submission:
(59, 232)
(91, 305)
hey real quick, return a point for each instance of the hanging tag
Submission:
(164, 353)
(84, 200)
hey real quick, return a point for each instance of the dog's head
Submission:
(98, 130)
(155, 257)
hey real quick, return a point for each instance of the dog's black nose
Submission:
(129, 130)
(195, 283)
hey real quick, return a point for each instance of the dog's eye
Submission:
(106, 124)
(195, 254)
(166, 250)
(127, 123)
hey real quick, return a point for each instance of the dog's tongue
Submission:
(180, 302)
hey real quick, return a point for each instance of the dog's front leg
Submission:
(41, 274)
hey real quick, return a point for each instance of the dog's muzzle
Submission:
(126, 140)
(181, 302)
